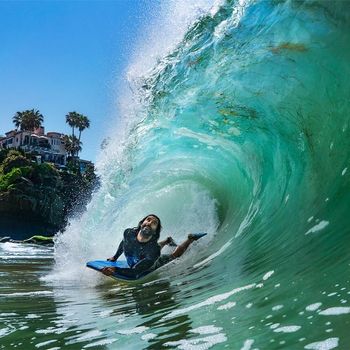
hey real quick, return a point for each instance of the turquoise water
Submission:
(243, 132)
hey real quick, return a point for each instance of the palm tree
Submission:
(28, 120)
(17, 119)
(82, 124)
(79, 121)
(72, 120)
(72, 145)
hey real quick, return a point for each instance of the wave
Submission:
(240, 130)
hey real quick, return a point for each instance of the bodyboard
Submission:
(98, 265)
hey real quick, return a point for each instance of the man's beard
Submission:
(146, 231)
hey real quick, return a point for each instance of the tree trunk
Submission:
(79, 141)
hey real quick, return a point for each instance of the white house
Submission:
(50, 146)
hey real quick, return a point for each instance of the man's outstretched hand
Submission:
(170, 241)
(108, 271)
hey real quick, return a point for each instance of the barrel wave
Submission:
(241, 131)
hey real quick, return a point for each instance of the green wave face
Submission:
(244, 134)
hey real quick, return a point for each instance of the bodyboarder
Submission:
(143, 251)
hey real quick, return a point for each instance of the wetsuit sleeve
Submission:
(120, 250)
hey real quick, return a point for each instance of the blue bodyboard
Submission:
(98, 265)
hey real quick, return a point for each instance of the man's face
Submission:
(150, 222)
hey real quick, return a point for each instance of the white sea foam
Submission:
(136, 330)
(277, 307)
(148, 336)
(313, 307)
(23, 257)
(7, 331)
(268, 275)
(105, 313)
(210, 301)
(327, 344)
(26, 294)
(287, 329)
(320, 226)
(6, 314)
(39, 345)
(28, 249)
(89, 335)
(198, 343)
(100, 343)
(206, 330)
(340, 310)
(247, 344)
(168, 28)
(227, 306)
(52, 330)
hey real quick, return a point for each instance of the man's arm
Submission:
(118, 253)
(120, 250)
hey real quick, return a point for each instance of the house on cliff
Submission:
(46, 147)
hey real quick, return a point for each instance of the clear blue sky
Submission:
(62, 56)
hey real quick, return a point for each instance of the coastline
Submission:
(38, 199)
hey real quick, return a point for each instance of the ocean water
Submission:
(238, 126)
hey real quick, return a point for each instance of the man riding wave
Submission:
(143, 251)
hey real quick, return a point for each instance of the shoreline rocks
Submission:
(38, 198)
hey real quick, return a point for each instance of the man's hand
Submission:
(170, 241)
(108, 271)
(111, 259)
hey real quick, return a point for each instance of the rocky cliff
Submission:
(38, 199)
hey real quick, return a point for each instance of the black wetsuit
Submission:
(139, 256)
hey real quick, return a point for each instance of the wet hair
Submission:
(158, 229)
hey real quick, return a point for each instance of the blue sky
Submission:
(62, 56)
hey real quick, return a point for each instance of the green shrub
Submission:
(9, 179)
(14, 159)
(45, 174)
(27, 171)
